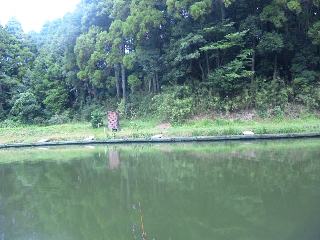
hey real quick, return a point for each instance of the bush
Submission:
(271, 98)
(122, 109)
(175, 106)
(138, 106)
(97, 118)
(278, 112)
(39, 121)
(310, 97)
(59, 118)
(9, 123)
(205, 101)
(26, 108)
(56, 100)
(2, 114)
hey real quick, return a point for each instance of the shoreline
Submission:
(166, 140)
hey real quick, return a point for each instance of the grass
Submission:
(148, 128)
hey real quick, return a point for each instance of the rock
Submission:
(157, 136)
(248, 133)
(90, 138)
(45, 140)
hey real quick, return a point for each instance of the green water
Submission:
(251, 190)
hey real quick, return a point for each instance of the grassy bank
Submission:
(147, 128)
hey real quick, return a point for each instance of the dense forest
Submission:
(169, 59)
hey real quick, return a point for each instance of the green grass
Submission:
(149, 127)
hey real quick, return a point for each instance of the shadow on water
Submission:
(252, 190)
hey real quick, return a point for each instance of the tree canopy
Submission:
(117, 53)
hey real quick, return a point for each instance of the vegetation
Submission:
(142, 128)
(170, 60)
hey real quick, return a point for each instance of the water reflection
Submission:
(206, 191)
(114, 160)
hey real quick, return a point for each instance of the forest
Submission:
(169, 59)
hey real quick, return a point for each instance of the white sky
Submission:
(32, 14)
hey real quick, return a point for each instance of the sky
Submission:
(32, 14)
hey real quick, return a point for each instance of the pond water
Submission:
(239, 190)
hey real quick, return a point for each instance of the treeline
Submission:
(166, 58)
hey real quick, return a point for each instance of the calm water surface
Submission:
(251, 190)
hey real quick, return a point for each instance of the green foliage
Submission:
(174, 106)
(9, 123)
(271, 43)
(134, 82)
(60, 118)
(314, 33)
(134, 50)
(56, 100)
(26, 108)
(97, 117)
(274, 14)
(200, 9)
(295, 6)
(229, 80)
(122, 108)
(272, 97)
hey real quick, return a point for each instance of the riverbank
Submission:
(149, 128)
(165, 140)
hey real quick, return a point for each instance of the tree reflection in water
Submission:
(203, 191)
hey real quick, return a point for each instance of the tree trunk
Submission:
(222, 10)
(154, 84)
(253, 84)
(158, 83)
(150, 85)
(208, 64)
(218, 59)
(275, 69)
(1, 104)
(253, 66)
(124, 86)
(117, 76)
(202, 71)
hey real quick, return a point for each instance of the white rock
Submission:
(90, 138)
(45, 140)
(248, 133)
(157, 136)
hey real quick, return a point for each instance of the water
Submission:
(241, 190)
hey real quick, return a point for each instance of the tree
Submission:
(272, 43)
(14, 28)
(314, 33)
(26, 108)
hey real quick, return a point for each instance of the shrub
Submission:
(122, 108)
(271, 97)
(310, 97)
(278, 112)
(59, 118)
(2, 114)
(86, 112)
(26, 108)
(56, 100)
(134, 82)
(175, 106)
(9, 123)
(97, 118)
